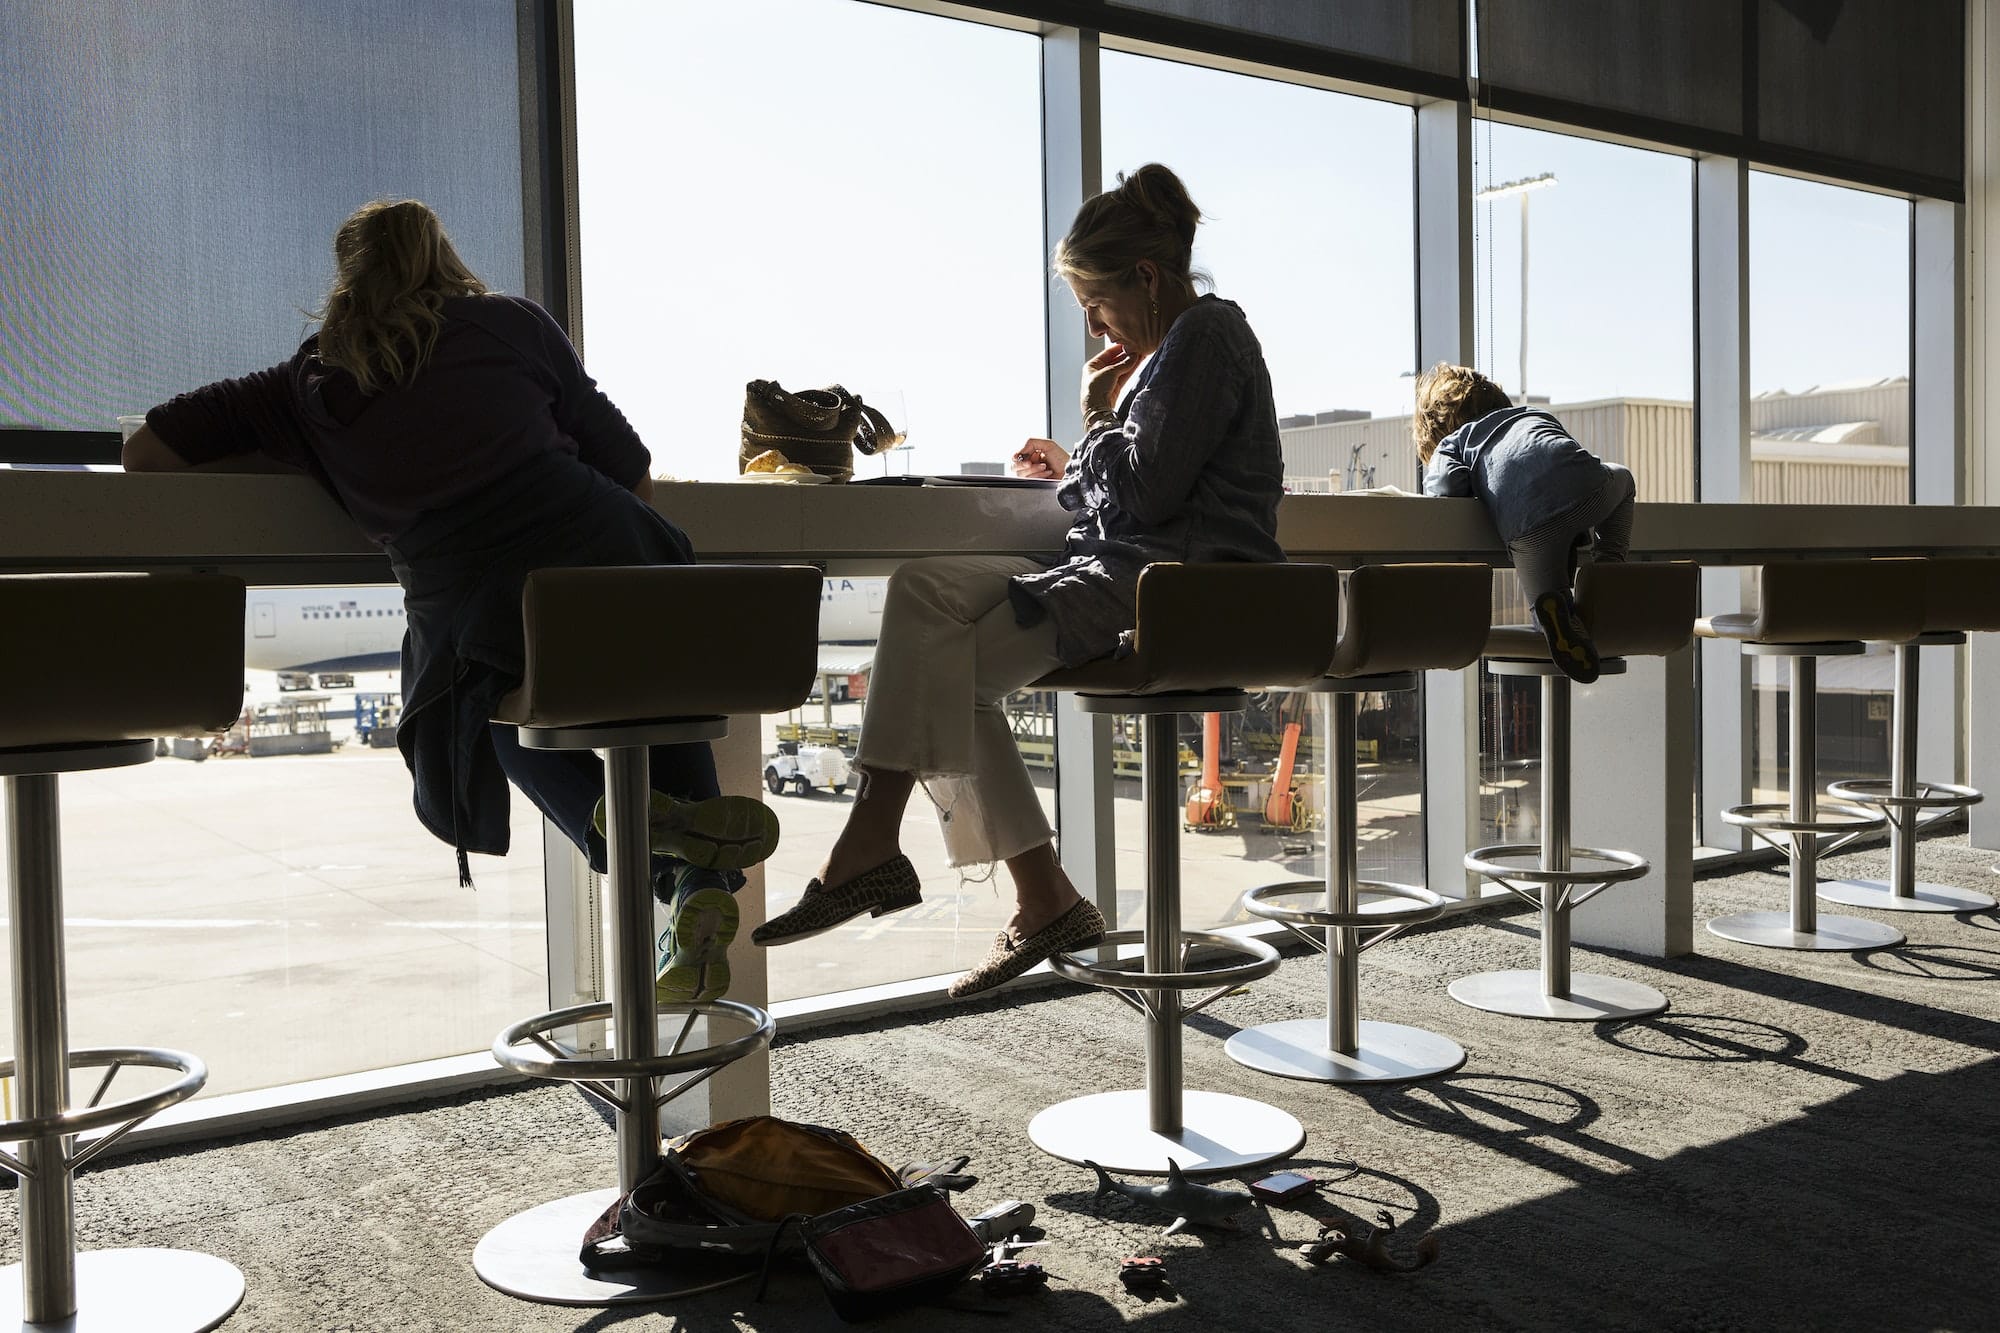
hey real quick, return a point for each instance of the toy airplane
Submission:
(1191, 1204)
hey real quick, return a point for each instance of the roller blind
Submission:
(1425, 35)
(172, 171)
(1865, 90)
(1677, 64)
(1413, 46)
(1877, 85)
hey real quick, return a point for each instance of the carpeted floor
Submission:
(1802, 1141)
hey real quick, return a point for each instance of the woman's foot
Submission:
(1079, 927)
(888, 887)
(721, 833)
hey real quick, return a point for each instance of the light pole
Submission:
(1523, 187)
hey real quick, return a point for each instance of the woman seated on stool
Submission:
(459, 429)
(1186, 469)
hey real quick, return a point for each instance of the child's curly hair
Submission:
(1448, 396)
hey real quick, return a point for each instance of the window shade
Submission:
(1426, 35)
(1870, 91)
(1874, 84)
(174, 170)
(1676, 63)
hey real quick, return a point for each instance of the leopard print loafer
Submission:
(889, 887)
(1078, 928)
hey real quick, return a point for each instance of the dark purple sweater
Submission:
(502, 386)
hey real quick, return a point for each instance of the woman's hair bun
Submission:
(1157, 192)
(1147, 217)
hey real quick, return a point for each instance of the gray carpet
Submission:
(1803, 1141)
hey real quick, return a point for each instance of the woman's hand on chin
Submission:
(1104, 377)
(1044, 459)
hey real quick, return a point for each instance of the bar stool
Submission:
(1205, 633)
(1961, 594)
(1807, 610)
(93, 693)
(1631, 610)
(1396, 621)
(610, 668)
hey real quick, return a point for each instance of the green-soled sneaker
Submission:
(721, 833)
(694, 954)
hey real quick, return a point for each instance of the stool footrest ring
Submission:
(1572, 888)
(1490, 861)
(1775, 817)
(124, 1115)
(1929, 795)
(1428, 905)
(1262, 961)
(594, 1070)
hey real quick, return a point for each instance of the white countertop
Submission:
(281, 529)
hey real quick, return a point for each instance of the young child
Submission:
(1545, 492)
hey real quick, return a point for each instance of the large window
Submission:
(1307, 202)
(175, 169)
(270, 902)
(1307, 197)
(1583, 261)
(1829, 424)
(171, 182)
(820, 192)
(812, 192)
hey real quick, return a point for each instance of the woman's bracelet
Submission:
(1103, 416)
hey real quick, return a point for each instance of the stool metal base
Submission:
(1774, 930)
(1219, 1132)
(1877, 895)
(1592, 998)
(1386, 1053)
(162, 1291)
(532, 1255)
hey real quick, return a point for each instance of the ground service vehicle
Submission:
(799, 767)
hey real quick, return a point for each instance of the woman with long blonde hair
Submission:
(460, 430)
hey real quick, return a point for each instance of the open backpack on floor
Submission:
(754, 1188)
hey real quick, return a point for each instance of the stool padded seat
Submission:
(1396, 618)
(1631, 610)
(1219, 627)
(637, 643)
(118, 657)
(1961, 594)
(1829, 601)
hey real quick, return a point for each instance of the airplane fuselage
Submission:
(361, 629)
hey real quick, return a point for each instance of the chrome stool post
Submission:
(1555, 884)
(1204, 632)
(1396, 621)
(1143, 1131)
(96, 709)
(1961, 595)
(1808, 610)
(534, 1254)
(1355, 915)
(1631, 610)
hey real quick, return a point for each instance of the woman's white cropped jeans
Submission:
(948, 652)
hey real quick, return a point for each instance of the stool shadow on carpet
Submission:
(1935, 962)
(1711, 1038)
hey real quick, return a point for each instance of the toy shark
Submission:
(1201, 1205)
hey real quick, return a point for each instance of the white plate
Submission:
(783, 478)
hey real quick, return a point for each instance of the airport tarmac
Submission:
(287, 918)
